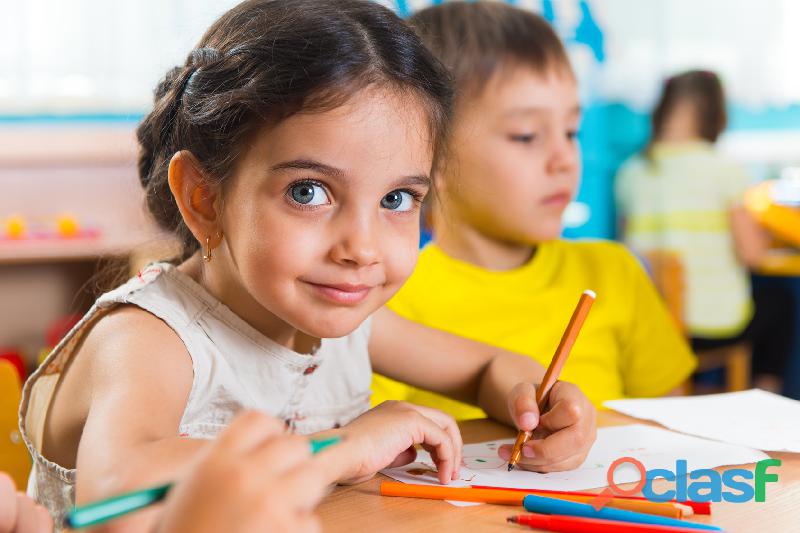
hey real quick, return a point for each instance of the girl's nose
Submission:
(358, 245)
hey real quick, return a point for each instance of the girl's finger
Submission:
(438, 442)
(447, 423)
(522, 406)
(248, 431)
(406, 456)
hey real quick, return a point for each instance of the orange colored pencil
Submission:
(515, 497)
(554, 370)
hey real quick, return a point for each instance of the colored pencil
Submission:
(554, 370)
(512, 497)
(106, 510)
(574, 524)
(541, 504)
(697, 507)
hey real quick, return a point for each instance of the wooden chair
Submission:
(667, 272)
(14, 458)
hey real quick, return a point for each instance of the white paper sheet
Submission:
(654, 447)
(753, 418)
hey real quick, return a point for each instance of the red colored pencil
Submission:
(575, 524)
(697, 507)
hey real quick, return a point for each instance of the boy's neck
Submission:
(461, 241)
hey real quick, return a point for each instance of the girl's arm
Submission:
(498, 381)
(750, 240)
(140, 376)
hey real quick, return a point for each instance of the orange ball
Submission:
(15, 227)
(67, 226)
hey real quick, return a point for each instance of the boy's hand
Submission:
(385, 437)
(20, 514)
(562, 436)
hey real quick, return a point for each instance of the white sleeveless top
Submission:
(235, 367)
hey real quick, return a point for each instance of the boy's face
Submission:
(514, 161)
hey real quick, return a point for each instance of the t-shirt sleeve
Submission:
(655, 355)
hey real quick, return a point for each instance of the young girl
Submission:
(290, 153)
(681, 195)
(496, 270)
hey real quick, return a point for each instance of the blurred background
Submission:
(76, 77)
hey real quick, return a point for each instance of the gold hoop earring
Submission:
(207, 256)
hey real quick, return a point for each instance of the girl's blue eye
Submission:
(309, 194)
(572, 135)
(525, 138)
(398, 201)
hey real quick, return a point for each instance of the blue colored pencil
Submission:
(541, 504)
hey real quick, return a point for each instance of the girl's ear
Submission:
(197, 198)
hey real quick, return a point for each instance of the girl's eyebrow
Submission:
(406, 181)
(322, 168)
(308, 164)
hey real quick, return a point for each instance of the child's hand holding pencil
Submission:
(558, 414)
(562, 436)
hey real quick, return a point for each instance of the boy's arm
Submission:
(456, 367)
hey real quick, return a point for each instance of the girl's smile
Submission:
(341, 293)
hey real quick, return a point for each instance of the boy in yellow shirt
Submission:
(497, 271)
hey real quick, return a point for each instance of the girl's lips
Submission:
(559, 199)
(343, 294)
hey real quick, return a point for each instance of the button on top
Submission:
(309, 370)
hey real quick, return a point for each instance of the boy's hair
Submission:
(265, 60)
(704, 91)
(475, 39)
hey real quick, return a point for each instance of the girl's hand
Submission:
(385, 437)
(20, 514)
(562, 436)
(253, 478)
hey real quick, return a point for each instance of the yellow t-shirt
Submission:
(628, 347)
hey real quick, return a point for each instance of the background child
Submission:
(496, 271)
(290, 153)
(681, 195)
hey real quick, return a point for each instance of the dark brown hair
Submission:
(703, 90)
(474, 40)
(265, 60)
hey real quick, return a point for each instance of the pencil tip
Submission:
(510, 467)
(512, 519)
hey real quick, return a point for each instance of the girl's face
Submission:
(515, 162)
(321, 220)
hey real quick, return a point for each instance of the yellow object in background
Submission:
(781, 220)
(14, 458)
(15, 227)
(67, 226)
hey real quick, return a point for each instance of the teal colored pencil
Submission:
(106, 510)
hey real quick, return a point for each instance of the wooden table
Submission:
(360, 507)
